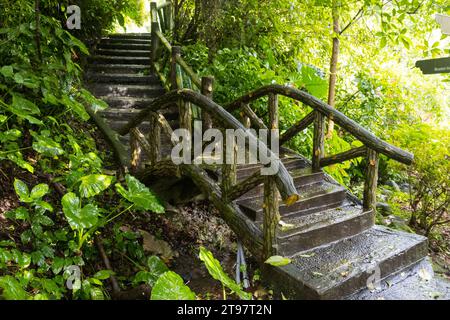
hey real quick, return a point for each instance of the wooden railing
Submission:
(174, 72)
(373, 145)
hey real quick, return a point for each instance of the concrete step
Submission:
(127, 102)
(97, 59)
(146, 36)
(124, 46)
(301, 176)
(119, 69)
(244, 171)
(309, 231)
(416, 283)
(125, 41)
(313, 198)
(127, 78)
(118, 90)
(122, 52)
(144, 127)
(344, 267)
(128, 114)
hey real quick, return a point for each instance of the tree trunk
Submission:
(333, 66)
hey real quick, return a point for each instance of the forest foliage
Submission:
(67, 194)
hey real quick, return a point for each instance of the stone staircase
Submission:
(332, 241)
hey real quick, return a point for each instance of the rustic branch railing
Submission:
(163, 53)
(373, 145)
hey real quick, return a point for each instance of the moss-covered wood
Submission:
(155, 138)
(318, 141)
(271, 217)
(245, 186)
(370, 185)
(343, 156)
(296, 128)
(366, 137)
(207, 91)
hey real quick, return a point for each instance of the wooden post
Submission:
(154, 138)
(136, 152)
(207, 90)
(271, 200)
(370, 185)
(155, 28)
(271, 217)
(168, 16)
(318, 142)
(229, 167)
(176, 81)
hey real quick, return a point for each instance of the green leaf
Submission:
(39, 191)
(79, 218)
(94, 184)
(46, 146)
(170, 286)
(22, 190)
(139, 195)
(7, 71)
(103, 274)
(12, 289)
(216, 271)
(156, 268)
(278, 261)
(96, 293)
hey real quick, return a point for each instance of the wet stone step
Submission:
(119, 69)
(313, 198)
(129, 113)
(244, 171)
(97, 59)
(118, 90)
(92, 77)
(344, 267)
(304, 232)
(416, 283)
(122, 52)
(126, 102)
(301, 177)
(130, 36)
(124, 46)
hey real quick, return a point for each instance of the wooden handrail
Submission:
(366, 137)
(283, 179)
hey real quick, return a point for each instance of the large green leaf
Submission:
(139, 195)
(170, 286)
(94, 184)
(12, 289)
(79, 218)
(22, 190)
(47, 146)
(216, 271)
(39, 191)
(156, 268)
(24, 108)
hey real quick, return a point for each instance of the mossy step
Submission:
(344, 267)
(313, 198)
(100, 59)
(129, 90)
(127, 46)
(304, 232)
(94, 77)
(123, 52)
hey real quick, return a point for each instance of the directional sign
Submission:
(433, 66)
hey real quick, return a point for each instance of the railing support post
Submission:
(370, 185)
(318, 141)
(271, 217)
(176, 81)
(271, 198)
(207, 90)
(155, 28)
(136, 151)
(154, 138)
(229, 167)
(168, 15)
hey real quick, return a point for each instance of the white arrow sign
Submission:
(444, 21)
